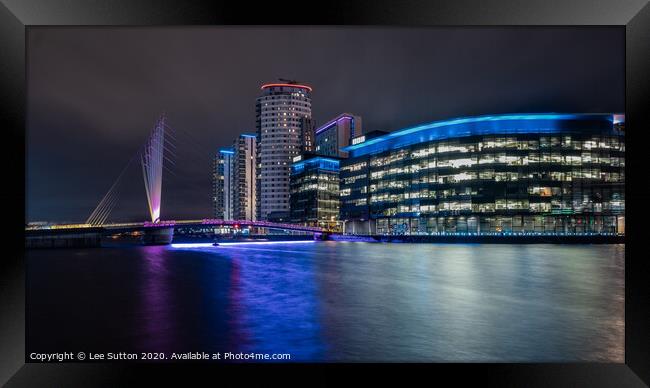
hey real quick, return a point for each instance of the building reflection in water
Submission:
(452, 302)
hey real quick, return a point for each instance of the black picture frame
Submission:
(17, 15)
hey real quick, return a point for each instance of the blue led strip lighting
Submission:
(323, 163)
(486, 125)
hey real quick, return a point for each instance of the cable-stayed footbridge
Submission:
(155, 157)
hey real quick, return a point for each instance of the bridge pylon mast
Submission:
(151, 160)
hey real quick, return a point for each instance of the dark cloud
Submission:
(95, 93)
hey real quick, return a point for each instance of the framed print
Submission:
(393, 189)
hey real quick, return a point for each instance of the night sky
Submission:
(95, 93)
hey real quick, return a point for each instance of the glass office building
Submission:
(519, 173)
(314, 196)
(244, 186)
(336, 134)
(222, 184)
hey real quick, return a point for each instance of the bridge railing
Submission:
(262, 224)
(205, 221)
(57, 226)
(149, 224)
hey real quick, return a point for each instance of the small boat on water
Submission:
(216, 244)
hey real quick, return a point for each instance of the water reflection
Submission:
(481, 303)
(275, 301)
(156, 293)
(335, 301)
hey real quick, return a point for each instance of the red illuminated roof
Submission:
(286, 85)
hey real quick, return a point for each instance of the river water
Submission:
(333, 301)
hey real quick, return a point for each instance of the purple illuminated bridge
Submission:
(172, 224)
(233, 224)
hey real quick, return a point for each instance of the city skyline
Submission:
(587, 79)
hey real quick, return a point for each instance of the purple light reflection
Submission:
(157, 332)
(207, 245)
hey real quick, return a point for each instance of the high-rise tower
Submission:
(223, 177)
(282, 111)
(245, 176)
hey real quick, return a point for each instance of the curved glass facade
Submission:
(549, 174)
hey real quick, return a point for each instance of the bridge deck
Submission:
(164, 224)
